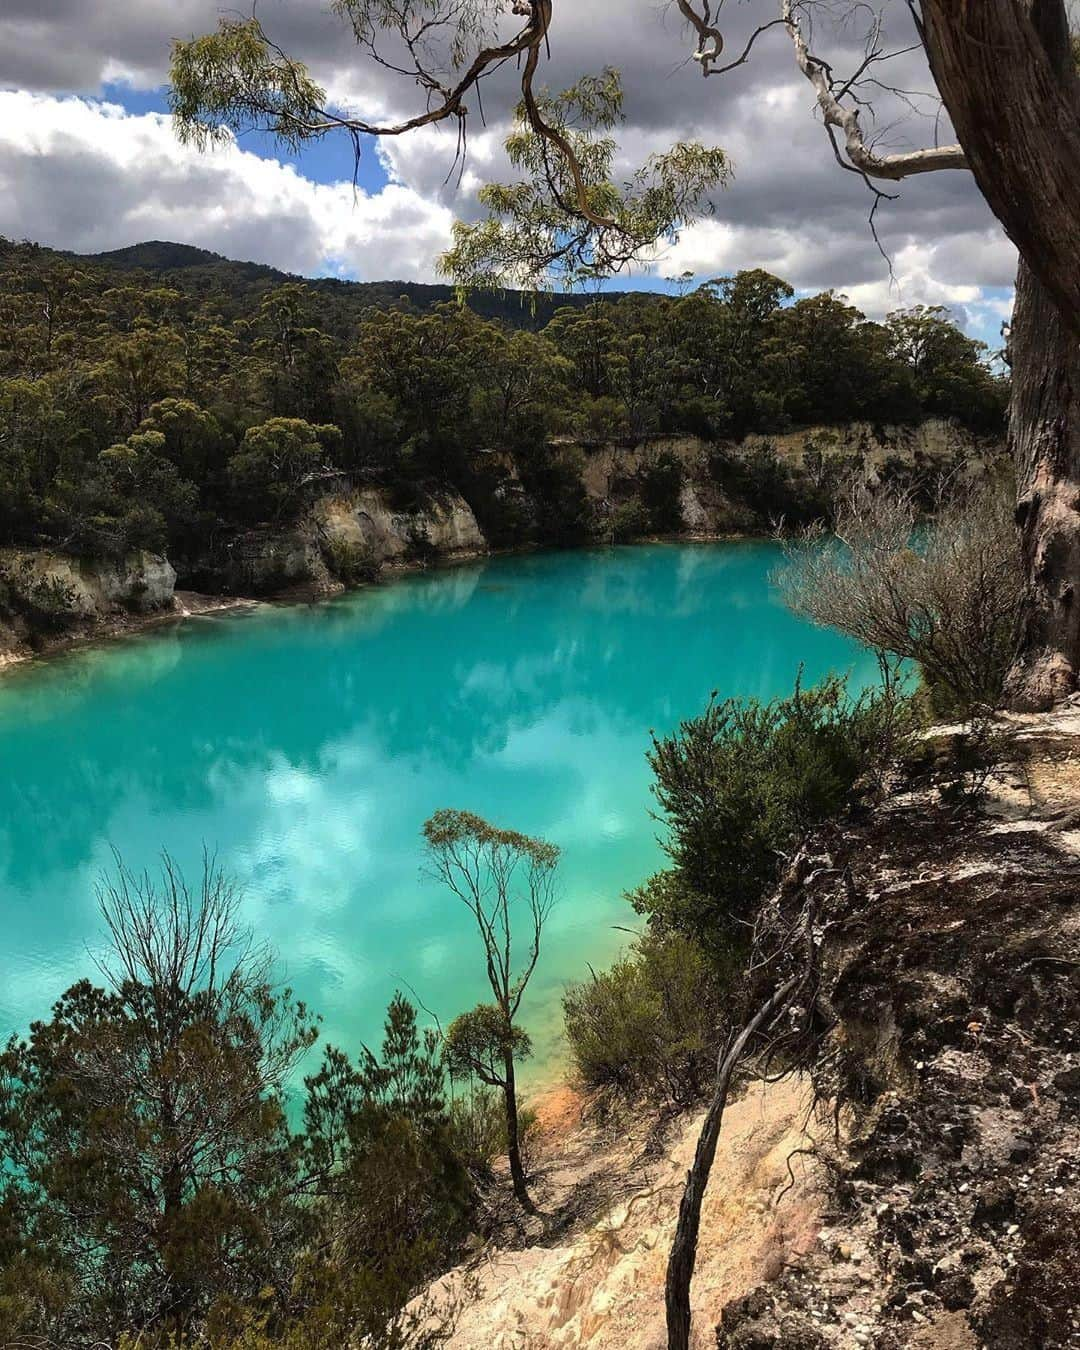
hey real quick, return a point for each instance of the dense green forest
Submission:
(162, 398)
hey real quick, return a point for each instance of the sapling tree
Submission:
(503, 878)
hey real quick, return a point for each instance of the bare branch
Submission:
(839, 101)
(845, 118)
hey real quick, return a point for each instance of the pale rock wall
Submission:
(368, 520)
(601, 1287)
(932, 439)
(269, 560)
(935, 438)
(49, 594)
(82, 588)
(706, 510)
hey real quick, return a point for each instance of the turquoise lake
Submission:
(307, 745)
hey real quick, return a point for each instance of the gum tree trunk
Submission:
(1005, 71)
(513, 1137)
(1044, 437)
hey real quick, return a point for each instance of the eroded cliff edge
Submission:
(951, 973)
(351, 532)
(917, 1184)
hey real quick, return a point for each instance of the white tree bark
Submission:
(845, 118)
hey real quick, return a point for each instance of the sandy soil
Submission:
(601, 1283)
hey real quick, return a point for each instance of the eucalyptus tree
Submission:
(498, 875)
(1005, 73)
(144, 1145)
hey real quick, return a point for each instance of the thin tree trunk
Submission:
(683, 1257)
(513, 1142)
(1005, 71)
(1044, 437)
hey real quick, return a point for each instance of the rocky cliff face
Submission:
(611, 473)
(46, 594)
(951, 975)
(442, 524)
(929, 441)
(344, 538)
(350, 536)
(932, 440)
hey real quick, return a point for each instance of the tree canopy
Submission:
(170, 410)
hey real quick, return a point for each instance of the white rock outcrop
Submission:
(83, 588)
(443, 524)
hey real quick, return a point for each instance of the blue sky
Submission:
(329, 160)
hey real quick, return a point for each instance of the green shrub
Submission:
(742, 783)
(645, 1028)
(478, 1126)
(349, 560)
(661, 490)
(629, 520)
(563, 510)
(47, 603)
(499, 503)
(772, 488)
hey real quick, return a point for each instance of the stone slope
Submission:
(601, 1284)
(951, 969)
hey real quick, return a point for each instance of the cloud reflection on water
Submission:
(308, 745)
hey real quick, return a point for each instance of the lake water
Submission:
(307, 745)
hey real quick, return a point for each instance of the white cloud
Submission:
(85, 175)
(923, 273)
(80, 177)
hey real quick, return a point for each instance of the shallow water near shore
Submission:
(307, 745)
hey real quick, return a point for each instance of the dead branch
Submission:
(845, 116)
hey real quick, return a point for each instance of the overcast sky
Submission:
(88, 160)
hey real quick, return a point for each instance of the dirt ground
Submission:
(945, 1214)
(601, 1284)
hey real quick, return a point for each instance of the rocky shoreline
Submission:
(353, 535)
(917, 1186)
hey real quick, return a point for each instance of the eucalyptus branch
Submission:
(845, 118)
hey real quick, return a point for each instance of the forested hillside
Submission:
(191, 268)
(169, 403)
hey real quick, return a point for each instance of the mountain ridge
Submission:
(188, 265)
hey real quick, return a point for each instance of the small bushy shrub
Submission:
(742, 783)
(645, 1027)
(563, 509)
(946, 595)
(775, 490)
(48, 603)
(499, 503)
(630, 520)
(478, 1126)
(349, 560)
(661, 488)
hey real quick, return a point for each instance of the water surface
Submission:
(308, 745)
